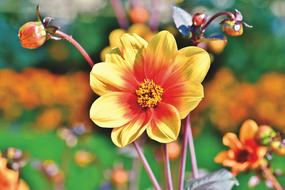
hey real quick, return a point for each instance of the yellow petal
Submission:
(239, 167)
(108, 77)
(132, 45)
(248, 130)
(194, 62)
(184, 96)
(112, 110)
(231, 140)
(104, 52)
(114, 56)
(221, 157)
(165, 124)
(128, 133)
(23, 185)
(162, 49)
(114, 37)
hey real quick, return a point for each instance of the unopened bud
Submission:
(265, 135)
(139, 14)
(119, 177)
(32, 35)
(232, 27)
(199, 19)
(278, 148)
(173, 150)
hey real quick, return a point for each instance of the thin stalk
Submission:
(226, 13)
(154, 17)
(192, 148)
(270, 177)
(120, 13)
(134, 176)
(183, 159)
(167, 170)
(76, 45)
(146, 166)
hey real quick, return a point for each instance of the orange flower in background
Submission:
(147, 87)
(9, 179)
(39, 91)
(244, 153)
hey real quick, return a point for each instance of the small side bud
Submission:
(278, 148)
(173, 150)
(119, 177)
(232, 27)
(32, 35)
(199, 19)
(139, 14)
(265, 135)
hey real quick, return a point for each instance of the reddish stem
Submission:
(146, 166)
(154, 17)
(167, 169)
(192, 148)
(270, 177)
(120, 13)
(183, 159)
(76, 45)
(229, 14)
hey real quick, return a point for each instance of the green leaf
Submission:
(221, 179)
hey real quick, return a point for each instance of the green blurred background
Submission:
(45, 92)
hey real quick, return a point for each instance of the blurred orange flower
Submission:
(9, 179)
(40, 89)
(244, 153)
(264, 101)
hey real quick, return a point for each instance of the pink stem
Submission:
(120, 13)
(76, 45)
(146, 166)
(229, 14)
(183, 159)
(167, 169)
(191, 148)
(154, 17)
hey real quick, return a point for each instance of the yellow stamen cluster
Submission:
(149, 94)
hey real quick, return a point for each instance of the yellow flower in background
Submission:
(244, 153)
(114, 37)
(9, 179)
(147, 86)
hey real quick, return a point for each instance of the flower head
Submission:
(244, 153)
(147, 87)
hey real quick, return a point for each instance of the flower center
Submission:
(149, 94)
(242, 156)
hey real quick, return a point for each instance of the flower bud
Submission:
(232, 27)
(173, 150)
(32, 35)
(217, 45)
(278, 148)
(139, 14)
(84, 158)
(199, 19)
(265, 135)
(119, 177)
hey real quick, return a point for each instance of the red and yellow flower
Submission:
(147, 86)
(244, 153)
